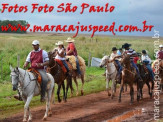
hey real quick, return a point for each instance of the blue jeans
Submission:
(120, 67)
(77, 65)
(65, 64)
(150, 70)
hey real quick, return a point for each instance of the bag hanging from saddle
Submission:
(36, 74)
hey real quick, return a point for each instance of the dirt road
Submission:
(95, 107)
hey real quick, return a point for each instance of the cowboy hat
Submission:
(114, 49)
(35, 42)
(69, 40)
(59, 43)
(126, 45)
(160, 46)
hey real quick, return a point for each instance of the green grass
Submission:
(13, 44)
(95, 82)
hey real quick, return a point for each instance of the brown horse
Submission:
(147, 78)
(59, 76)
(129, 76)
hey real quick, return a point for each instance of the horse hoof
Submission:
(82, 93)
(50, 115)
(109, 94)
(30, 120)
(59, 101)
(119, 100)
(44, 119)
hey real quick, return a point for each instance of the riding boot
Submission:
(43, 90)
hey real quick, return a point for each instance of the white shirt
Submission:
(59, 57)
(146, 57)
(44, 55)
(113, 55)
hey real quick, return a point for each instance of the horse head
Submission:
(51, 56)
(104, 61)
(126, 59)
(14, 77)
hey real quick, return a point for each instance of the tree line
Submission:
(13, 23)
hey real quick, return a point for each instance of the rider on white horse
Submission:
(38, 59)
(115, 57)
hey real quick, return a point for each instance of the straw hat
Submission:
(59, 43)
(69, 40)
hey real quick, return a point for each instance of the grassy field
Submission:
(13, 44)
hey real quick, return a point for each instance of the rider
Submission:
(61, 54)
(114, 57)
(159, 54)
(132, 53)
(147, 61)
(71, 50)
(38, 59)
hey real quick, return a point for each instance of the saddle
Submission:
(36, 74)
(62, 65)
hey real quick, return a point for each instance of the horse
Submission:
(59, 76)
(28, 87)
(129, 77)
(74, 74)
(111, 73)
(146, 77)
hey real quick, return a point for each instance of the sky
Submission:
(126, 12)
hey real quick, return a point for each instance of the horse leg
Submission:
(107, 85)
(138, 91)
(58, 93)
(26, 107)
(30, 115)
(82, 79)
(47, 104)
(75, 80)
(152, 87)
(149, 89)
(64, 95)
(131, 93)
(121, 90)
(113, 88)
(125, 87)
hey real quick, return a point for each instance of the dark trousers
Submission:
(44, 81)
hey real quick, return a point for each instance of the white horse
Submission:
(111, 73)
(28, 87)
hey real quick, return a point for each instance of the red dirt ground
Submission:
(95, 107)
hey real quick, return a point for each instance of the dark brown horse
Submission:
(147, 78)
(129, 76)
(59, 76)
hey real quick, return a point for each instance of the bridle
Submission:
(19, 75)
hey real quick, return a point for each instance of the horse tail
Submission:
(69, 82)
(52, 96)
